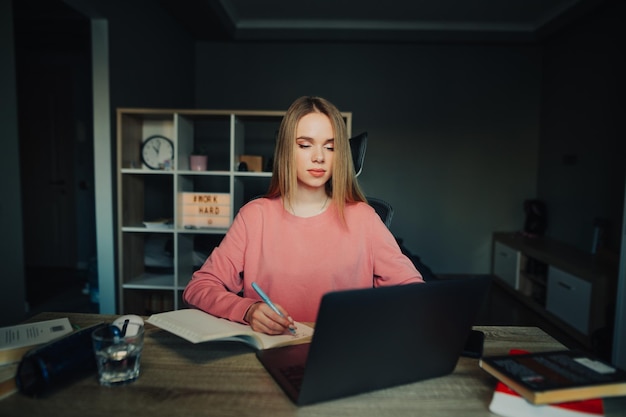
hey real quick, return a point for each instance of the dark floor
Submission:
(65, 290)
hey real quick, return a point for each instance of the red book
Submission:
(508, 403)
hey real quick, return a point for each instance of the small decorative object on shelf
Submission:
(205, 210)
(198, 162)
(253, 163)
(158, 224)
(198, 159)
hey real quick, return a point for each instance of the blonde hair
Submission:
(343, 187)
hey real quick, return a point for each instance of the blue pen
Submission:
(267, 301)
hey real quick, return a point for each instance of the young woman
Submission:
(312, 233)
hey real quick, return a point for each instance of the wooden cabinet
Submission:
(506, 264)
(569, 298)
(571, 288)
(158, 251)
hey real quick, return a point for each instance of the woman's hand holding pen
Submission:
(262, 318)
(269, 320)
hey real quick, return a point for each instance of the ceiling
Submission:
(376, 20)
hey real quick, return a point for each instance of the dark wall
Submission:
(53, 68)
(583, 142)
(151, 57)
(12, 287)
(453, 129)
(151, 60)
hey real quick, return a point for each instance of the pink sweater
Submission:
(296, 260)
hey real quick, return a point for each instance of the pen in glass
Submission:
(269, 302)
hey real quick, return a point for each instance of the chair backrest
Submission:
(358, 145)
(383, 208)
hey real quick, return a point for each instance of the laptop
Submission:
(375, 338)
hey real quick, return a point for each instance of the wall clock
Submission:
(157, 152)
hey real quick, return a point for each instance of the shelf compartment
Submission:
(193, 249)
(255, 135)
(203, 183)
(152, 280)
(249, 188)
(147, 260)
(146, 198)
(147, 302)
(210, 133)
(533, 279)
(222, 211)
(134, 127)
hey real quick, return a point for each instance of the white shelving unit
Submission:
(155, 264)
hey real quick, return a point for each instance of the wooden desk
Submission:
(179, 378)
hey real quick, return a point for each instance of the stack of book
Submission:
(15, 341)
(204, 210)
(7, 379)
(552, 384)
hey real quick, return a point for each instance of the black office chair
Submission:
(383, 209)
(358, 146)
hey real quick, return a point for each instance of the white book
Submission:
(197, 326)
(16, 340)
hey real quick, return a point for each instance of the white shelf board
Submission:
(206, 231)
(147, 171)
(144, 229)
(215, 173)
(263, 174)
(149, 281)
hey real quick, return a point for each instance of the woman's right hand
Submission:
(262, 318)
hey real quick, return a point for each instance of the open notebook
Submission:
(377, 338)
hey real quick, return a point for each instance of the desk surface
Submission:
(179, 378)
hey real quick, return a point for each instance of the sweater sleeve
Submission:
(391, 266)
(215, 286)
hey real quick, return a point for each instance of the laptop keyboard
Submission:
(294, 374)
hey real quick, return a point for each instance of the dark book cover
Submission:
(547, 377)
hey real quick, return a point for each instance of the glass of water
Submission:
(118, 356)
